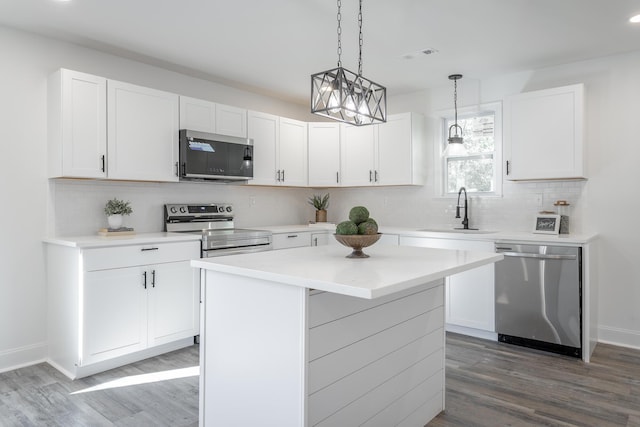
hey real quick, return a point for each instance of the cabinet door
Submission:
(357, 155)
(77, 125)
(543, 132)
(114, 314)
(320, 239)
(197, 114)
(174, 298)
(324, 154)
(395, 152)
(292, 152)
(231, 121)
(470, 296)
(264, 130)
(142, 136)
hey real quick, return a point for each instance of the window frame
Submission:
(441, 144)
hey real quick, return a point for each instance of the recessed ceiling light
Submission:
(635, 19)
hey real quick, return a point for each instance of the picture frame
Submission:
(547, 224)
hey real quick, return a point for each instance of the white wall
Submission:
(607, 203)
(30, 210)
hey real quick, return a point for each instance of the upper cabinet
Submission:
(324, 154)
(101, 128)
(207, 116)
(142, 130)
(390, 153)
(279, 150)
(543, 134)
(77, 125)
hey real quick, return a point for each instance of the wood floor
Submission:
(41, 396)
(488, 384)
(494, 384)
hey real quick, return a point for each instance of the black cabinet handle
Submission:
(282, 175)
(177, 169)
(291, 236)
(370, 176)
(507, 167)
(278, 175)
(102, 159)
(144, 283)
(149, 249)
(337, 177)
(153, 278)
(375, 174)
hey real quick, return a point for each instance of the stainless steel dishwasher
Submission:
(538, 290)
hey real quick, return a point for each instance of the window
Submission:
(479, 171)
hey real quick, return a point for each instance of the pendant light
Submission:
(345, 96)
(455, 146)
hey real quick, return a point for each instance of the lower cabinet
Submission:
(129, 303)
(470, 296)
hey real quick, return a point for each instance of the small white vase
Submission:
(115, 221)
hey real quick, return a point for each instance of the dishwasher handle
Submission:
(536, 256)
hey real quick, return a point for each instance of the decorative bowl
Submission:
(357, 242)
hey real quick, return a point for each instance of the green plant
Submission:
(117, 207)
(319, 202)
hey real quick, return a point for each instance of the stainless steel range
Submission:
(215, 223)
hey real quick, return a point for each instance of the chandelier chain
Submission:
(339, 17)
(455, 101)
(360, 39)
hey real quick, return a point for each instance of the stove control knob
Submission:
(228, 208)
(183, 209)
(173, 209)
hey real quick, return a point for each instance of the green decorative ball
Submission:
(347, 227)
(367, 227)
(358, 214)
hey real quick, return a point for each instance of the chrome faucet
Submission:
(465, 221)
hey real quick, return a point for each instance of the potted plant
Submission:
(114, 209)
(321, 203)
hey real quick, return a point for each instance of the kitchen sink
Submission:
(457, 230)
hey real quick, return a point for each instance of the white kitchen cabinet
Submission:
(324, 154)
(77, 125)
(389, 153)
(470, 296)
(206, 116)
(142, 133)
(400, 149)
(320, 239)
(279, 150)
(543, 134)
(292, 153)
(296, 239)
(129, 302)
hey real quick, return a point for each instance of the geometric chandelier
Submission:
(345, 96)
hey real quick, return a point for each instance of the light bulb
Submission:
(350, 106)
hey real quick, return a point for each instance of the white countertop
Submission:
(96, 241)
(388, 270)
(86, 242)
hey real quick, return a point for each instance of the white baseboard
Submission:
(20, 357)
(478, 333)
(619, 337)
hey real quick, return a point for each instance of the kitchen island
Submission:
(306, 337)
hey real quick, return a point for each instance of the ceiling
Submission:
(273, 46)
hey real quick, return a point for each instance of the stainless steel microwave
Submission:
(217, 157)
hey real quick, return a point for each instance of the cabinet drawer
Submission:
(291, 240)
(127, 256)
